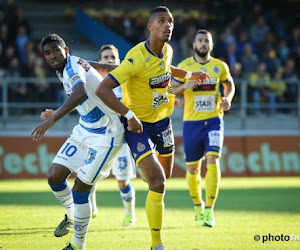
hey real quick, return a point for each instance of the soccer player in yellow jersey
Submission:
(203, 123)
(148, 101)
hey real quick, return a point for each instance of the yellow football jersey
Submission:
(203, 102)
(146, 82)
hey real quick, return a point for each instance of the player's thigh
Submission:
(153, 172)
(167, 162)
(57, 174)
(71, 155)
(124, 166)
(97, 163)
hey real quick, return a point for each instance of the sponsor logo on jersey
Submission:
(140, 147)
(209, 85)
(84, 64)
(159, 99)
(204, 103)
(161, 81)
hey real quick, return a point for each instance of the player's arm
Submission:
(77, 96)
(179, 88)
(105, 92)
(103, 68)
(198, 76)
(229, 90)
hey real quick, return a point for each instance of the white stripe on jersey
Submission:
(95, 116)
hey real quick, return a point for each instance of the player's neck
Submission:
(202, 59)
(155, 46)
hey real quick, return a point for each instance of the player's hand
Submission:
(47, 114)
(39, 131)
(179, 103)
(135, 125)
(200, 76)
(225, 104)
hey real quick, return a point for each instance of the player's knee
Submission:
(157, 184)
(193, 169)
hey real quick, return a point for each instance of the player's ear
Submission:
(194, 45)
(149, 25)
(67, 50)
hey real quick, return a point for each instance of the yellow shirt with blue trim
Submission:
(146, 82)
(203, 102)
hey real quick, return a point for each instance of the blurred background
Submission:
(259, 40)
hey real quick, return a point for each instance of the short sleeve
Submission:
(225, 73)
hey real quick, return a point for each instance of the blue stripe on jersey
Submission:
(175, 80)
(149, 50)
(86, 98)
(114, 79)
(93, 116)
(101, 130)
(105, 158)
(69, 68)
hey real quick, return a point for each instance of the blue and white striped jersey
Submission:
(95, 116)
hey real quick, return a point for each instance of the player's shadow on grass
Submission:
(255, 199)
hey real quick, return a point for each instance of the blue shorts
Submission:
(202, 137)
(156, 137)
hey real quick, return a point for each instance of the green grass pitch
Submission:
(246, 207)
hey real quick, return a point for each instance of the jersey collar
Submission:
(149, 50)
(199, 62)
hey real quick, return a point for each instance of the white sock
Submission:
(82, 218)
(93, 197)
(65, 198)
(128, 199)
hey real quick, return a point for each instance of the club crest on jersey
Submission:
(161, 81)
(148, 59)
(140, 147)
(216, 69)
(130, 60)
(84, 64)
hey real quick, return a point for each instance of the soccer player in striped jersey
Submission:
(148, 102)
(93, 145)
(124, 167)
(203, 123)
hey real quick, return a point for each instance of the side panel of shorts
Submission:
(71, 154)
(124, 166)
(200, 137)
(98, 163)
(155, 136)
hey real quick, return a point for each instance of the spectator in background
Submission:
(21, 39)
(278, 86)
(249, 60)
(258, 31)
(231, 55)
(260, 88)
(186, 42)
(290, 76)
(241, 42)
(272, 61)
(283, 50)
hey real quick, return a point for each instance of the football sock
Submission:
(93, 197)
(63, 193)
(212, 180)
(194, 185)
(82, 216)
(128, 198)
(155, 213)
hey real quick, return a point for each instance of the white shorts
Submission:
(90, 156)
(124, 166)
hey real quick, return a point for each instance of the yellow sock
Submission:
(194, 181)
(212, 180)
(155, 213)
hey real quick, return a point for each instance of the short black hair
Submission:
(157, 10)
(52, 38)
(203, 31)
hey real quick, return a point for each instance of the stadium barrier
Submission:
(20, 157)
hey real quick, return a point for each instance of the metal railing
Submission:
(241, 107)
